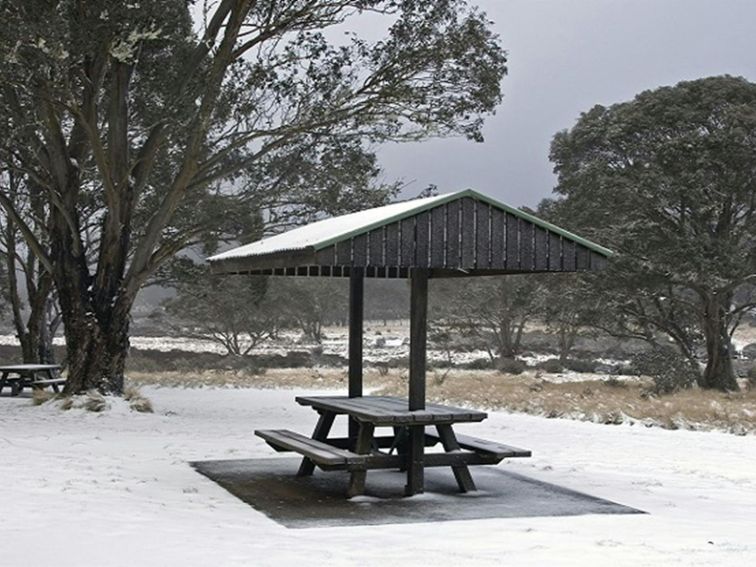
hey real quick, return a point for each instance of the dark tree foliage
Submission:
(668, 181)
(148, 134)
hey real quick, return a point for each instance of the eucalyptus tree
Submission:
(235, 313)
(668, 180)
(27, 289)
(142, 124)
(493, 310)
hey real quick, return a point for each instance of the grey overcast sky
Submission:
(564, 57)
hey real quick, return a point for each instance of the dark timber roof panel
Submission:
(463, 233)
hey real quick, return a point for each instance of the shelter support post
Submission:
(356, 314)
(418, 337)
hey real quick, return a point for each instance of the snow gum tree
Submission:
(139, 123)
(668, 180)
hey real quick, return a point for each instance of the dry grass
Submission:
(137, 401)
(94, 401)
(601, 401)
(609, 401)
(41, 396)
(272, 378)
(91, 401)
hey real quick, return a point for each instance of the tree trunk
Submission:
(96, 350)
(47, 332)
(506, 339)
(30, 330)
(719, 373)
(567, 335)
(95, 317)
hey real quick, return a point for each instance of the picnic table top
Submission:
(387, 410)
(28, 367)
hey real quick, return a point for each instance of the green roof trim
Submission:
(474, 195)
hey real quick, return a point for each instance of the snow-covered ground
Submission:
(115, 488)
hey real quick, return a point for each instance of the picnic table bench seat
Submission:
(324, 455)
(484, 446)
(332, 454)
(34, 376)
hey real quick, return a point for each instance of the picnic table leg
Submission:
(322, 429)
(415, 461)
(18, 385)
(51, 377)
(461, 472)
(364, 442)
(400, 444)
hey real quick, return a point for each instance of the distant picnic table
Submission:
(34, 376)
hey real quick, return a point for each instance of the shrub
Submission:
(95, 401)
(137, 401)
(580, 365)
(511, 366)
(613, 382)
(749, 351)
(751, 378)
(317, 350)
(552, 366)
(479, 364)
(628, 370)
(40, 396)
(669, 370)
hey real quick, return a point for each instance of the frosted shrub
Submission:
(40, 396)
(95, 401)
(551, 366)
(510, 366)
(669, 370)
(137, 401)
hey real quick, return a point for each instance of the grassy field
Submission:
(592, 399)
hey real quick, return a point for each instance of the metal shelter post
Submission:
(418, 337)
(356, 314)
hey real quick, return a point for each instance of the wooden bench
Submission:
(324, 455)
(486, 447)
(35, 376)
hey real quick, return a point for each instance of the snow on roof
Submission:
(322, 232)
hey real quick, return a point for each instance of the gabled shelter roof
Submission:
(461, 233)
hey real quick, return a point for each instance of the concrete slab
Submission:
(271, 487)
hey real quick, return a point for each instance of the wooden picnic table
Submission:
(366, 451)
(35, 376)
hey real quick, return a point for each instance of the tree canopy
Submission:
(148, 125)
(668, 181)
